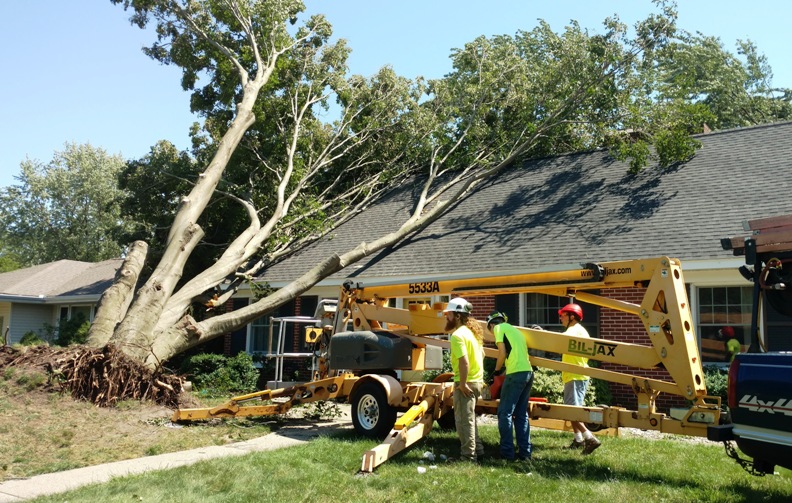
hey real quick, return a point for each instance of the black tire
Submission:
(372, 417)
(447, 421)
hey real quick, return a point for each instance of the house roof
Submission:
(575, 208)
(60, 279)
(547, 213)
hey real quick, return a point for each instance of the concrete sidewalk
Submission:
(295, 433)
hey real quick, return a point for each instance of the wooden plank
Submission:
(773, 238)
(770, 241)
(762, 224)
(778, 247)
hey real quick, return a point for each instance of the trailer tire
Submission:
(447, 421)
(372, 416)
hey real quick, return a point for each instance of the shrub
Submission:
(31, 339)
(547, 384)
(217, 375)
(73, 331)
(716, 378)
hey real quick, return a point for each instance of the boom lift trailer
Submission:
(357, 355)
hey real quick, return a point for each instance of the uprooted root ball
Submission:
(102, 376)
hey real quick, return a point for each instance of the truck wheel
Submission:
(371, 415)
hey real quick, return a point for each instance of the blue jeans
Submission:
(513, 412)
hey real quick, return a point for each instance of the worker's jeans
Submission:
(465, 418)
(513, 411)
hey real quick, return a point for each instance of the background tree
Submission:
(8, 262)
(69, 208)
(264, 88)
(735, 88)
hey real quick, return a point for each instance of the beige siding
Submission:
(5, 316)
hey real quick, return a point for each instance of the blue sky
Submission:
(73, 70)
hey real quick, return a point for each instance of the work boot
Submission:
(576, 444)
(590, 444)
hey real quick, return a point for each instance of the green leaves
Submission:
(69, 208)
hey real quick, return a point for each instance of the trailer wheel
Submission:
(371, 415)
(447, 421)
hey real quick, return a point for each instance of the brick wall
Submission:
(623, 327)
(482, 306)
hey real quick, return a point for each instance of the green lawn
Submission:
(622, 470)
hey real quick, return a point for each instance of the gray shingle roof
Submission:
(578, 207)
(59, 279)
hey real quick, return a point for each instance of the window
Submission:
(720, 307)
(81, 311)
(543, 309)
(71, 312)
(259, 339)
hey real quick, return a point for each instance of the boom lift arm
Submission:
(363, 317)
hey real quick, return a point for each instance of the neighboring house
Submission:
(43, 295)
(586, 207)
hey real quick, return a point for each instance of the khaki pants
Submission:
(465, 418)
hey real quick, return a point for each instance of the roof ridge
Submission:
(742, 129)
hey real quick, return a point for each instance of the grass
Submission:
(44, 432)
(326, 469)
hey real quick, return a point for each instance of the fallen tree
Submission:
(537, 93)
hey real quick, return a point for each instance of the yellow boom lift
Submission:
(357, 355)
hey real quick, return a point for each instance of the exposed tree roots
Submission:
(102, 376)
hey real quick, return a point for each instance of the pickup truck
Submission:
(759, 382)
(760, 406)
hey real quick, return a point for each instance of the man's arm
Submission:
(464, 367)
(501, 357)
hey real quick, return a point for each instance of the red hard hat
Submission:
(572, 308)
(727, 332)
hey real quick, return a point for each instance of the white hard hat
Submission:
(459, 305)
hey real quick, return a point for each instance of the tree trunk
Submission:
(115, 300)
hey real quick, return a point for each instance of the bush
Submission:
(31, 339)
(489, 368)
(73, 331)
(716, 378)
(547, 384)
(217, 375)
